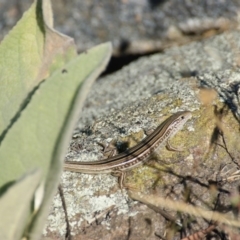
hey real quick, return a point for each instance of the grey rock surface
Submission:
(139, 97)
(134, 27)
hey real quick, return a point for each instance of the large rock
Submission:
(134, 27)
(202, 77)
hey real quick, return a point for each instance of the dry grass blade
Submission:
(184, 207)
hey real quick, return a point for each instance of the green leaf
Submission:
(15, 205)
(28, 54)
(38, 117)
(32, 140)
(41, 135)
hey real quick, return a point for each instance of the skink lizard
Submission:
(137, 154)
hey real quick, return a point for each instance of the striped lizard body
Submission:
(137, 154)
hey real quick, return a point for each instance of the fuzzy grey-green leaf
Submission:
(28, 54)
(33, 139)
(40, 136)
(15, 206)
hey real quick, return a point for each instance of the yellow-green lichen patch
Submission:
(216, 129)
(202, 150)
(149, 176)
(143, 177)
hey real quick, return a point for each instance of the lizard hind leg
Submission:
(109, 150)
(171, 148)
(121, 181)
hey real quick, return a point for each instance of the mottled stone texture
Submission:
(134, 27)
(202, 77)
